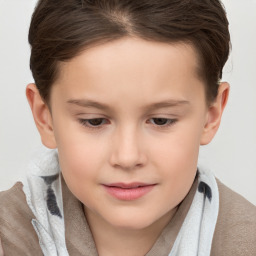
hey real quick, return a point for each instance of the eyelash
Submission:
(169, 121)
(85, 122)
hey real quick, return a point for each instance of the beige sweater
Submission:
(235, 233)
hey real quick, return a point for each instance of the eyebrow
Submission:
(88, 104)
(167, 104)
(94, 104)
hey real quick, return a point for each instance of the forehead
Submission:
(130, 67)
(142, 53)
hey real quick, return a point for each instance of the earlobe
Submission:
(214, 114)
(42, 116)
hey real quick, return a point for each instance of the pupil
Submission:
(95, 122)
(160, 121)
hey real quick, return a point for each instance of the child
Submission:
(125, 93)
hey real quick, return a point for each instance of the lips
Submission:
(129, 185)
(128, 191)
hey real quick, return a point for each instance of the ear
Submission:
(214, 114)
(42, 116)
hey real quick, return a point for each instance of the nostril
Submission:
(127, 151)
(127, 164)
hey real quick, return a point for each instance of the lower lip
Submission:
(128, 194)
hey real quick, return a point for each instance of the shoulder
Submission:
(235, 232)
(16, 231)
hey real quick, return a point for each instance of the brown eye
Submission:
(93, 123)
(160, 121)
(96, 121)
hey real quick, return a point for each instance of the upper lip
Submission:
(129, 185)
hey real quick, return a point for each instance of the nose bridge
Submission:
(127, 152)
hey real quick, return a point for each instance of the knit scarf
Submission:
(42, 187)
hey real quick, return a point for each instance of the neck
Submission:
(115, 241)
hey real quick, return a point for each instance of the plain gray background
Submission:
(231, 155)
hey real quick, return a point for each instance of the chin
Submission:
(132, 222)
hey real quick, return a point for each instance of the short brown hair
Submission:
(60, 30)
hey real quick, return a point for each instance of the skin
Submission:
(129, 76)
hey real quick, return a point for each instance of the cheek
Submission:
(179, 149)
(80, 167)
(81, 159)
(78, 150)
(177, 157)
(80, 156)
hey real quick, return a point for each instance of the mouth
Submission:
(128, 191)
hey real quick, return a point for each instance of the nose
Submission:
(127, 151)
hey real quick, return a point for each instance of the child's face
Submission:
(150, 117)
